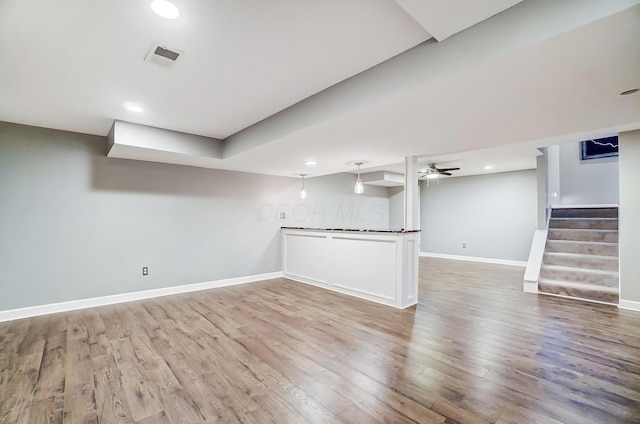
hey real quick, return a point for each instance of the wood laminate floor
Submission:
(475, 350)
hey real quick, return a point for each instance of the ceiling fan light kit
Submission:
(433, 173)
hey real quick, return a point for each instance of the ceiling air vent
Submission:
(163, 55)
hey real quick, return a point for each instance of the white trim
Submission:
(629, 304)
(474, 259)
(593, 205)
(536, 256)
(298, 277)
(530, 286)
(348, 292)
(364, 292)
(582, 299)
(73, 305)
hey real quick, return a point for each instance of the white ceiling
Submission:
(512, 157)
(445, 18)
(335, 81)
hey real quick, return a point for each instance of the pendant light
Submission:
(359, 187)
(303, 192)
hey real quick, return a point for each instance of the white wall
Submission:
(629, 218)
(495, 215)
(593, 181)
(75, 224)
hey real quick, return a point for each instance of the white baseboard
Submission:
(474, 259)
(32, 311)
(577, 298)
(629, 304)
(345, 291)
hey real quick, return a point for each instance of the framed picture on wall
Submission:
(599, 148)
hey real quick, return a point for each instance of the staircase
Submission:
(581, 255)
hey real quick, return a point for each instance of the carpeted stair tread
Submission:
(586, 218)
(579, 290)
(584, 223)
(582, 260)
(577, 234)
(595, 277)
(612, 258)
(579, 230)
(590, 247)
(571, 268)
(577, 285)
(584, 213)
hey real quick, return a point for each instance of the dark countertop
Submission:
(353, 230)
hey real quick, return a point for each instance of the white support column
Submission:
(411, 194)
(410, 261)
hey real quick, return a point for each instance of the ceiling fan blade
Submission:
(445, 173)
(449, 169)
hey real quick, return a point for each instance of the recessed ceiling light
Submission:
(630, 91)
(165, 9)
(488, 167)
(133, 107)
(310, 162)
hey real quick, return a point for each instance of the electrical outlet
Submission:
(145, 270)
(283, 215)
(464, 245)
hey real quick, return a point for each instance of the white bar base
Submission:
(377, 266)
(32, 311)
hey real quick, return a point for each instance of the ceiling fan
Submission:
(432, 171)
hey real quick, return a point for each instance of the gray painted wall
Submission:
(592, 181)
(541, 178)
(396, 207)
(75, 224)
(629, 213)
(494, 214)
(552, 154)
(331, 203)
